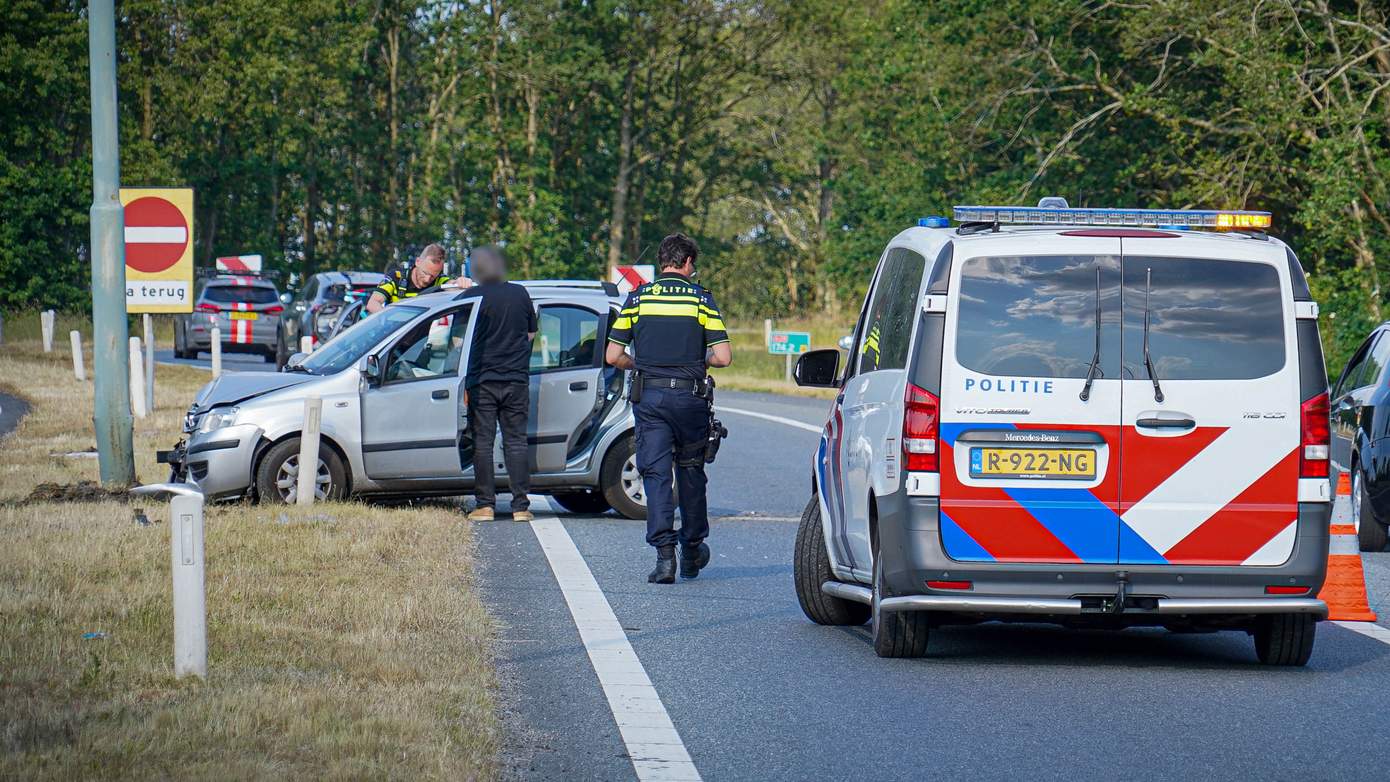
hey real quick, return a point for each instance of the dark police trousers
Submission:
(488, 405)
(667, 419)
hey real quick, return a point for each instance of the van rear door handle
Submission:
(442, 393)
(579, 385)
(1166, 423)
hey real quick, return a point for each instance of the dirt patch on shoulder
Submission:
(82, 491)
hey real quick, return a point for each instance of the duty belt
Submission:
(674, 383)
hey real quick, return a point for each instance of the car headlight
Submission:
(217, 418)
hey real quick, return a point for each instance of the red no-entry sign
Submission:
(158, 249)
(156, 234)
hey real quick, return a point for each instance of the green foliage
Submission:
(792, 138)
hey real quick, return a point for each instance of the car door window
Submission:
(1355, 368)
(1376, 361)
(432, 349)
(566, 337)
(886, 332)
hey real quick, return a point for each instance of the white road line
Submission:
(1368, 629)
(775, 418)
(653, 744)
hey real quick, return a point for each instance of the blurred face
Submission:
(428, 268)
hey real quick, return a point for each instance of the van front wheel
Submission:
(1285, 639)
(811, 569)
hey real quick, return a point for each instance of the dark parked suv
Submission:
(1361, 435)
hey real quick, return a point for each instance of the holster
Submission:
(690, 455)
(634, 388)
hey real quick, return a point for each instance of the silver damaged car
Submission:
(394, 422)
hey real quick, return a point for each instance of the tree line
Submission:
(791, 138)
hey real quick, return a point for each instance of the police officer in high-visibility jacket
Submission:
(425, 273)
(675, 332)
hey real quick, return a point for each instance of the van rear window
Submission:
(1208, 319)
(1035, 316)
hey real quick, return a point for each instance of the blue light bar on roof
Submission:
(1153, 218)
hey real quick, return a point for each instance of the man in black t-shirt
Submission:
(498, 389)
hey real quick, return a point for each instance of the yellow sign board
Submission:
(158, 249)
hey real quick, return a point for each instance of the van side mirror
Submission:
(818, 368)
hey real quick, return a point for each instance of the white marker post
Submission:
(308, 476)
(46, 324)
(137, 380)
(767, 331)
(216, 352)
(187, 561)
(79, 369)
(149, 362)
(789, 367)
(306, 344)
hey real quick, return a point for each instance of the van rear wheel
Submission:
(811, 568)
(1285, 639)
(896, 633)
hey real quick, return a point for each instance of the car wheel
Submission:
(896, 633)
(620, 481)
(1369, 531)
(582, 501)
(1285, 639)
(277, 476)
(811, 569)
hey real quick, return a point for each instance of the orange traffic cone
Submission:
(1344, 591)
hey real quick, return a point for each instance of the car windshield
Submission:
(236, 294)
(345, 349)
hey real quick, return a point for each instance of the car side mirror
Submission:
(286, 298)
(817, 368)
(846, 342)
(371, 368)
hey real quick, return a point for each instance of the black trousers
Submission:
(490, 404)
(666, 420)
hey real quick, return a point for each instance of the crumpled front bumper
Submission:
(220, 461)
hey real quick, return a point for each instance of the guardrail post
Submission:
(46, 324)
(79, 369)
(216, 352)
(137, 380)
(306, 344)
(308, 476)
(187, 565)
(149, 362)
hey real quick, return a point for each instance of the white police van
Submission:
(1105, 417)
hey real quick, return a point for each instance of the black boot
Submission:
(665, 570)
(693, 558)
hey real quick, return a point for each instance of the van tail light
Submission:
(920, 429)
(1316, 438)
(209, 308)
(274, 309)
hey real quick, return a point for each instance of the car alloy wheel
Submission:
(632, 481)
(287, 480)
(1356, 490)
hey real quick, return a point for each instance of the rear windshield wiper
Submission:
(1148, 360)
(1094, 368)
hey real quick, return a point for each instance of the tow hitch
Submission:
(1120, 602)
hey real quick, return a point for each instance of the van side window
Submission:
(1208, 319)
(886, 333)
(1035, 316)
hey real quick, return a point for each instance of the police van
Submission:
(1096, 417)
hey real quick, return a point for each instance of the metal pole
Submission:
(216, 346)
(149, 363)
(308, 478)
(137, 380)
(79, 369)
(187, 565)
(114, 426)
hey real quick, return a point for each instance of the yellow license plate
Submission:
(244, 316)
(1077, 464)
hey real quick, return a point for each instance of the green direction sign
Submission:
(789, 343)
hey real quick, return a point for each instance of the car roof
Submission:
(549, 291)
(355, 277)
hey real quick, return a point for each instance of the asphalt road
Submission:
(11, 410)
(757, 692)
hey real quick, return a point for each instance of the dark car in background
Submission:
(322, 300)
(248, 312)
(1361, 435)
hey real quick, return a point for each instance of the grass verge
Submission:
(345, 640)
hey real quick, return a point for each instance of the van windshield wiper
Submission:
(1094, 368)
(1148, 360)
